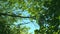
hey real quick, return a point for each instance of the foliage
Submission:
(45, 12)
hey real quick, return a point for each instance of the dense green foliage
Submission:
(45, 12)
(52, 16)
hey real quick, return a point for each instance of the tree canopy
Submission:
(45, 12)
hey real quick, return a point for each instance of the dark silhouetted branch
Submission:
(15, 24)
(13, 15)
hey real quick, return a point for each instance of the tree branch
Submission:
(13, 15)
(14, 24)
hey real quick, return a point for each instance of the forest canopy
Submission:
(45, 12)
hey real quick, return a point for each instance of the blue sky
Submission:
(32, 25)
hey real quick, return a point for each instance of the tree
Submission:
(45, 12)
(51, 17)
